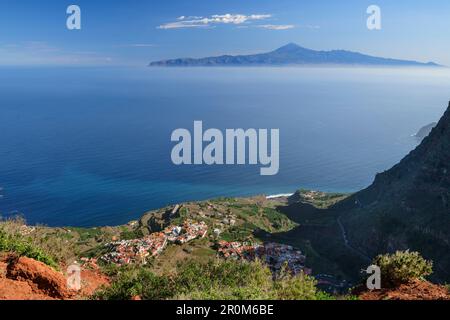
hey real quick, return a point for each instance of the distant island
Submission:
(291, 54)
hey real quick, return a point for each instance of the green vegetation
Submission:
(215, 279)
(403, 267)
(260, 217)
(321, 200)
(131, 234)
(62, 244)
(278, 222)
(243, 232)
(86, 234)
(21, 246)
(132, 281)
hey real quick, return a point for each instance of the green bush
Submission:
(15, 243)
(56, 243)
(216, 280)
(402, 267)
(223, 280)
(131, 234)
(137, 281)
(301, 287)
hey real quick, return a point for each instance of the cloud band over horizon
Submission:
(202, 22)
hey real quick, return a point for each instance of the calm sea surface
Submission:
(91, 146)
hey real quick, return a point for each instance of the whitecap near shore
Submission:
(281, 195)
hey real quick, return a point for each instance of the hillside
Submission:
(115, 261)
(291, 54)
(408, 206)
(210, 237)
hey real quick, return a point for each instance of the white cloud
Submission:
(202, 22)
(238, 18)
(277, 26)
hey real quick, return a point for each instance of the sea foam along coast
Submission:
(281, 195)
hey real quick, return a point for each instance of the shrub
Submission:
(402, 267)
(223, 280)
(301, 287)
(131, 234)
(214, 280)
(134, 282)
(55, 243)
(15, 243)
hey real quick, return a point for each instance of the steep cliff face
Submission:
(408, 206)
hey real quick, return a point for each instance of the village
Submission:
(275, 255)
(138, 250)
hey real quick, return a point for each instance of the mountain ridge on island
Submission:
(291, 54)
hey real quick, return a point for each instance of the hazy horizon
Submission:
(119, 34)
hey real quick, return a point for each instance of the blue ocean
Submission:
(91, 146)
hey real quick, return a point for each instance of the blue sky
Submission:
(135, 32)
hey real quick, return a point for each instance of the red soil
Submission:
(91, 280)
(26, 279)
(415, 290)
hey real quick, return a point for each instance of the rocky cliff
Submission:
(408, 206)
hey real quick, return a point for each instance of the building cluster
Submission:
(138, 250)
(275, 255)
(189, 231)
(332, 284)
(311, 195)
(222, 220)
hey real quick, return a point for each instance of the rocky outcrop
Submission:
(157, 221)
(425, 131)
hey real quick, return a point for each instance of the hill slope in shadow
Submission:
(406, 207)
